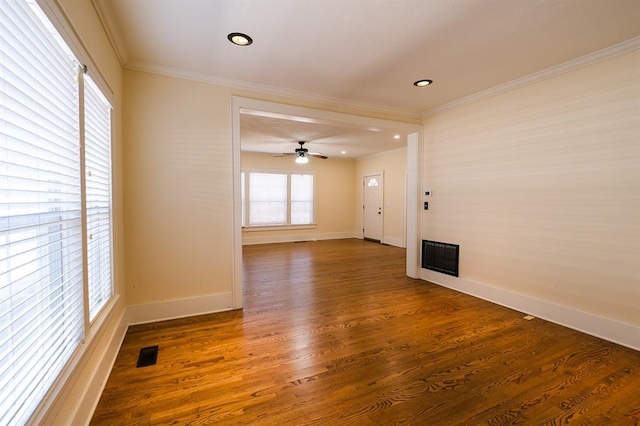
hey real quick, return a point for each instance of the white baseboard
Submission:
(293, 238)
(397, 242)
(604, 328)
(178, 308)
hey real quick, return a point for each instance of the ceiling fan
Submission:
(302, 154)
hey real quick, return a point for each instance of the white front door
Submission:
(372, 208)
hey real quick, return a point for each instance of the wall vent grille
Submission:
(440, 257)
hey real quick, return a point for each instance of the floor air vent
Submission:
(440, 257)
(148, 356)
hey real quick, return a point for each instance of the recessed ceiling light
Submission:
(343, 152)
(240, 39)
(422, 83)
(396, 137)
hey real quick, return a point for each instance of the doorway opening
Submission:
(244, 106)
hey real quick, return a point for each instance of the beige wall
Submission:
(179, 188)
(334, 196)
(393, 164)
(178, 192)
(540, 186)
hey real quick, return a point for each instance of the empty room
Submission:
(365, 212)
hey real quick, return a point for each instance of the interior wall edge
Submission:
(613, 331)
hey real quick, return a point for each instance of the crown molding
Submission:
(111, 28)
(107, 18)
(572, 65)
(136, 65)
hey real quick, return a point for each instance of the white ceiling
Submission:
(280, 133)
(360, 53)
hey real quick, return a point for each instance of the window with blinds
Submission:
(277, 199)
(267, 199)
(301, 199)
(42, 262)
(97, 143)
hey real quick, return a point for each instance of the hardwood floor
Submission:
(334, 333)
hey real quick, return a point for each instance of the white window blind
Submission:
(267, 199)
(276, 199)
(301, 199)
(97, 122)
(41, 300)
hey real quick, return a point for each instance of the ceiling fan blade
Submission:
(303, 150)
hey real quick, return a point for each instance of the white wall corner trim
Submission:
(178, 308)
(604, 328)
(583, 61)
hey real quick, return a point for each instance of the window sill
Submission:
(277, 228)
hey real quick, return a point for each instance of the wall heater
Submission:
(440, 257)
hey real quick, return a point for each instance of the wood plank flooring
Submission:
(334, 333)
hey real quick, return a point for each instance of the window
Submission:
(277, 199)
(301, 199)
(42, 261)
(98, 195)
(267, 199)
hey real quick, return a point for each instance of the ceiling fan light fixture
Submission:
(302, 159)
(240, 39)
(422, 83)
